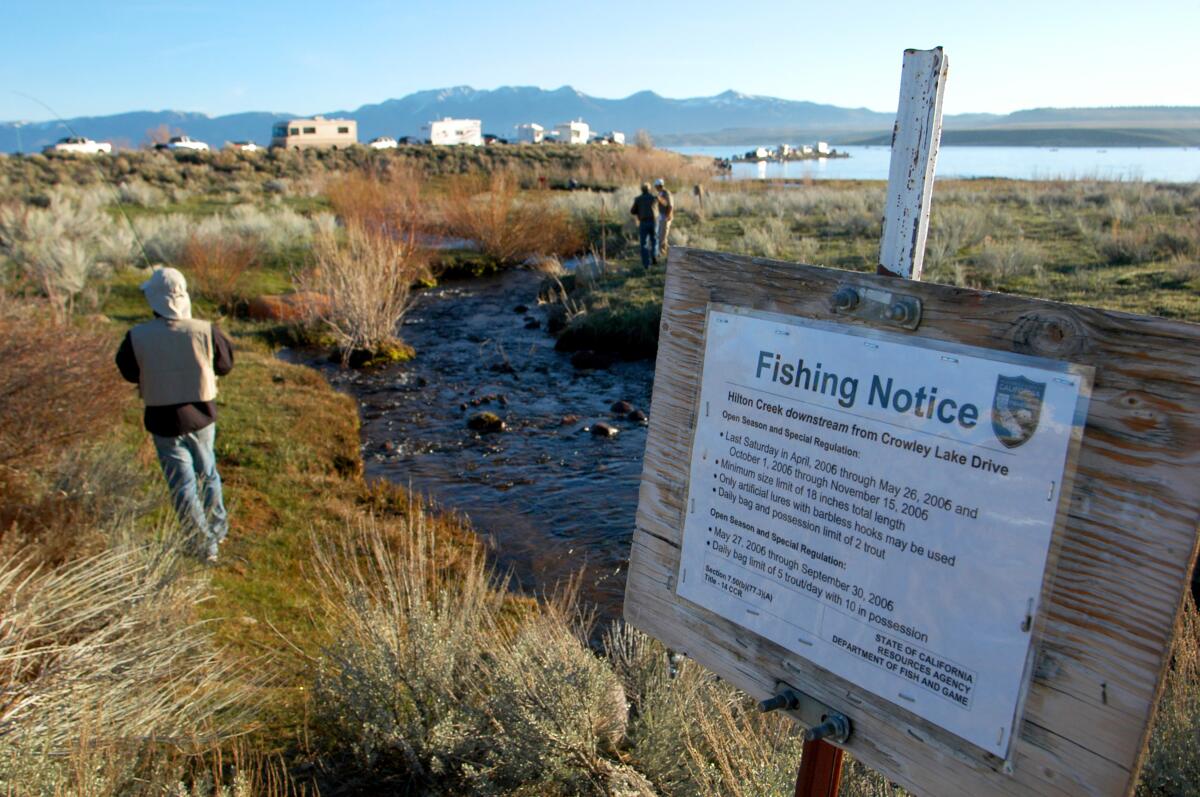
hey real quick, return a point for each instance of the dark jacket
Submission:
(178, 419)
(643, 207)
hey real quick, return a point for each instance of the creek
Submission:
(551, 499)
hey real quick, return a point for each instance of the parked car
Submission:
(186, 142)
(242, 146)
(383, 142)
(79, 145)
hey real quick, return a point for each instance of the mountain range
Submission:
(729, 118)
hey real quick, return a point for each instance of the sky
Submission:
(108, 56)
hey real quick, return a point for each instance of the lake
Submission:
(1166, 164)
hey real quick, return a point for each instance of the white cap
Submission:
(166, 291)
(659, 183)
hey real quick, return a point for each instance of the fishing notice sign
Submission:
(881, 505)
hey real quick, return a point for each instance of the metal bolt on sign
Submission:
(879, 306)
(832, 725)
(836, 728)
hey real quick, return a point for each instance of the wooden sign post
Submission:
(915, 139)
(952, 528)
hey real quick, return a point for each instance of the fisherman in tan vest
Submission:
(175, 361)
(666, 213)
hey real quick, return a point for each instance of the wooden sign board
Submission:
(1059, 702)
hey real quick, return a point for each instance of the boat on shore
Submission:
(785, 153)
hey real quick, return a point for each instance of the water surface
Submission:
(1167, 164)
(552, 498)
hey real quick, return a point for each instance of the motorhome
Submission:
(448, 132)
(315, 133)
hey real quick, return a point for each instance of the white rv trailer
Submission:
(531, 133)
(449, 132)
(576, 132)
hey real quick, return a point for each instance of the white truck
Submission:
(78, 145)
(186, 142)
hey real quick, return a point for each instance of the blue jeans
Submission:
(648, 242)
(190, 466)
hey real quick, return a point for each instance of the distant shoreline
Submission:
(1080, 137)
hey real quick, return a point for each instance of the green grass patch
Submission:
(1133, 247)
(621, 313)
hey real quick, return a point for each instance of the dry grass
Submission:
(368, 276)
(560, 709)
(368, 279)
(99, 661)
(76, 508)
(637, 164)
(441, 682)
(1172, 766)
(188, 176)
(508, 228)
(1001, 261)
(693, 734)
(394, 687)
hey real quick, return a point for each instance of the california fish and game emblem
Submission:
(1016, 409)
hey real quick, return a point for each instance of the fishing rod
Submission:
(107, 180)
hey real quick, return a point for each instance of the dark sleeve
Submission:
(633, 211)
(222, 352)
(127, 361)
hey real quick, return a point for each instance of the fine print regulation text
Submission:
(881, 508)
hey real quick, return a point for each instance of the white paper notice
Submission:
(882, 506)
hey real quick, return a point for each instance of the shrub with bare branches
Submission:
(216, 266)
(507, 227)
(368, 280)
(388, 203)
(57, 385)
